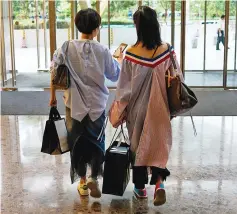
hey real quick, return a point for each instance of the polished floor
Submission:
(203, 180)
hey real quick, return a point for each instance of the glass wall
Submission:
(26, 43)
(177, 28)
(63, 21)
(214, 61)
(121, 23)
(232, 51)
(203, 65)
(42, 33)
(7, 51)
(205, 45)
(103, 7)
(194, 36)
(24, 20)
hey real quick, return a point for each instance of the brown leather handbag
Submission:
(181, 98)
(61, 75)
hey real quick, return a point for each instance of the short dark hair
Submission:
(148, 27)
(223, 16)
(87, 20)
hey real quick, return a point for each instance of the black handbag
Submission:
(61, 75)
(117, 166)
(55, 138)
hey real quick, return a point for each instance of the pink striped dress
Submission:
(142, 92)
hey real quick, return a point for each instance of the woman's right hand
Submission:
(53, 99)
(120, 58)
(53, 102)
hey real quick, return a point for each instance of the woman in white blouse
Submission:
(89, 63)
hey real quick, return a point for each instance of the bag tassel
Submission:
(194, 127)
(103, 129)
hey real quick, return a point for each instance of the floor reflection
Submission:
(203, 168)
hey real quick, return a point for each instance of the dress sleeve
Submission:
(118, 114)
(112, 67)
(124, 86)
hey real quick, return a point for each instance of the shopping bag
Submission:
(55, 134)
(117, 166)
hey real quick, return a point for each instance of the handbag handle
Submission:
(169, 78)
(54, 114)
(121, 132)
(173, 63)
(172, 57)
(100, 137)
(66, 50)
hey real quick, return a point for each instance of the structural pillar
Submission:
(52, 28)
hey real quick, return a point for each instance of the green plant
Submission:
(105, 23)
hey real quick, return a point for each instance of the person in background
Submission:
(141, 100)
(130, 13)
(221, 33)
(89, 63)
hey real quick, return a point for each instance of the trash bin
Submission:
(195, 42)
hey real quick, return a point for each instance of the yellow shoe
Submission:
(82, 188)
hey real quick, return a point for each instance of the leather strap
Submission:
(154, 51)
(100, 137)
(66, 51)
(172, 56)
(194, 127)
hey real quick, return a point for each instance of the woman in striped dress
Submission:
(141, 93)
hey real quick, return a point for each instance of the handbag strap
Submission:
(100, 137)
(66, 50)
(173, 63)
(155, 51)
(121, 132)
(172, 56)
(194, 127)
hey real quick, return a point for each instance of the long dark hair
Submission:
(148, 27)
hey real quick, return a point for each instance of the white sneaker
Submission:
(93, 185)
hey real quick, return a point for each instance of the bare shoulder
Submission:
(130, 49)
(163, 47)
